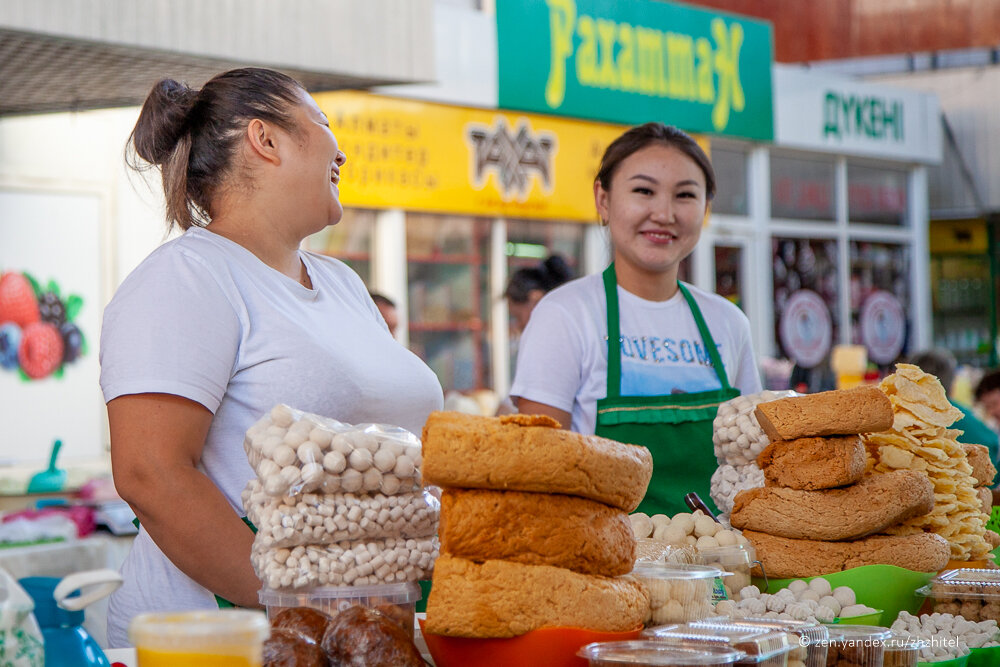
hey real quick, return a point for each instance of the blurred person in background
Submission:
(987, 395)
(634, 354)
(216, 327)
(525, 289)
(387, 307)
(529, 284)
(942, 363)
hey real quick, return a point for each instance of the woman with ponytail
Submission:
(217, 326)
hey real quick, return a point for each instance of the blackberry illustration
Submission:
(52, 309)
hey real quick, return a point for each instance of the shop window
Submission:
(730, 181)
(963, 306)
(876, 195)
(531, 241)
(805, 300)
(448, 277)
(350, 240)
(802, 188)
(728, 265)
(880, 300)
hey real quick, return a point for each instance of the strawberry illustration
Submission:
(17, 300)
(41, 350)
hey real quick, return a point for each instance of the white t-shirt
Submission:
(562, 359)
(203, 318)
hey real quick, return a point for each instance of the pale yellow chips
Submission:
(921, 440)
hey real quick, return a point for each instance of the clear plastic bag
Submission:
(346, 563)
(21, 643)
(295, 452)
(311, 518)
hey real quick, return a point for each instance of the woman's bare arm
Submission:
(526, 407)
(156, 444)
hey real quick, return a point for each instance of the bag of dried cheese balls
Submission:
(296, 452)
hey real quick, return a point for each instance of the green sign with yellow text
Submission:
(633, 61)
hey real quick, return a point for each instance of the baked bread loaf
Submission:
(531, 453)
(813, 463)
(983, 469)
(502, 599)
(784, 558)
(287, 648)
(985, 494)
(870, 506)
(362, 636)
(536, 529)
(864, 409)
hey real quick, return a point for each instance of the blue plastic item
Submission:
(67, 643)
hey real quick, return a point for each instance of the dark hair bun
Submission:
(555, 272)
(163, 120)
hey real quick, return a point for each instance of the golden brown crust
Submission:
(985, 494)
(537, 529)
(530, 420)
(864, 409)
(502, 599)
(983, 469)
(489, 453)
(786, 558)
(870, 506)
(813, 463)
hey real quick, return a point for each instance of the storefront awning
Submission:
(57, 56)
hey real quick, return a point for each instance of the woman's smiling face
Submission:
(654, 209)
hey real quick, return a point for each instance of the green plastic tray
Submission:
(954, 662)
(884, 587)
(864, 619)
(985, 657)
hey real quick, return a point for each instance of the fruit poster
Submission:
(51, 277)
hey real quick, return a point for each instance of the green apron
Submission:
(676, 428)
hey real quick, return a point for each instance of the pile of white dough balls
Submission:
(948, 636)
(295, 452)
(695, 529)
(711, 541)
(800, 601)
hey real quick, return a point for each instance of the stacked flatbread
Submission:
(820, 511)
(920, 440)
(534, 527)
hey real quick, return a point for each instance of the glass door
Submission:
(447, 276)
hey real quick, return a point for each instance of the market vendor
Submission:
(217, 326)
(674, 353)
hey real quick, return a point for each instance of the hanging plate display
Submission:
(806, 329)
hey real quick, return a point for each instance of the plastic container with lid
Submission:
(217, 638)
(760, 646)
(808, 639)
(655, 654)
(397, 601)
(973, 594)
(735, 559)
(860, 645)
(678, 593)
(903, 650)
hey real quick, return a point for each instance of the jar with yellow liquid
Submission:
(216, 638)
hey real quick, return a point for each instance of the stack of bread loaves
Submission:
(819, 511)
(534, 527)
(920, 440)
(336, 505)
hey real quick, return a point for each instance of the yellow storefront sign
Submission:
(431, 157)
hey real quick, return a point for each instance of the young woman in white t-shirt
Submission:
(216, 327)
(674, 352)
